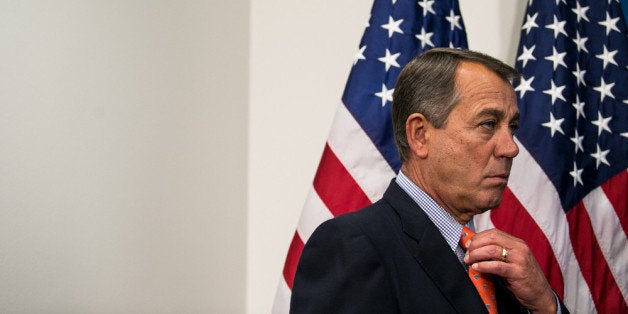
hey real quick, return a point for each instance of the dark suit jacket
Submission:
(386, 258)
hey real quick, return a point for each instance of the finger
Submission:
(487, 253)
(498, 268)
(492, 237)
(500, 244)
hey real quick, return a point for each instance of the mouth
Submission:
(500, 178)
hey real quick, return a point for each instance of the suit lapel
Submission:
(433, 254)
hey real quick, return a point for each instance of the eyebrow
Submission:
(496, 113)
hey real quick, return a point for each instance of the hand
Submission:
(519, 269)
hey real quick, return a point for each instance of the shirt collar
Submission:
(446, 224)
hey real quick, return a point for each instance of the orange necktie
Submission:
(482, 282)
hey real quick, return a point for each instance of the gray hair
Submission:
(427, 85)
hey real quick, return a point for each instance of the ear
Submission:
(417, 133)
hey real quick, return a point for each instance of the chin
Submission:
(491, 203)
(494, 205)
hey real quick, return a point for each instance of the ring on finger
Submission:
(504, 254)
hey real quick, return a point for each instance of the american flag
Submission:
(360, 156)
(566, 196)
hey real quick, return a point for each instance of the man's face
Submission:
(469, 158)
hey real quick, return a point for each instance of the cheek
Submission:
(467, 163)
(459, 159)
(466, 152)
(457, 164)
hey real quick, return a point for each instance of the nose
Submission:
(506, 145)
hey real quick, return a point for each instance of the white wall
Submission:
(301, 55)
(123, 131)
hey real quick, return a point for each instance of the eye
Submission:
(514, 127)
(489, 125)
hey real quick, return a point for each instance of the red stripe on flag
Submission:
(336, 187)
(615, 190)
(294, 253)
(525, 228)
(604, 290)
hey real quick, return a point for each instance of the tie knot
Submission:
(465, 236)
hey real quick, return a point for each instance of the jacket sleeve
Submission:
(340, 272)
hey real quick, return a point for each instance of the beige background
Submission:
(155, 155)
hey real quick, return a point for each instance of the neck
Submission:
(417, 177)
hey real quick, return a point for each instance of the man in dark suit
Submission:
(454, 116)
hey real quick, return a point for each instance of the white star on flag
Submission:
(425, 38)
(605, 89)
(581, 12)
(579, 106)
(393, 26)
(530, 23)
(576, 174)
(557, 58)
(577, 140)
(580, 42)
(600, 157)
(555, 92)
(386, 94)
(558, 27)
(454, 20)
(579, 75)
(524, 86)
(610, 24)
(527, 55)
(607, 57)
(359, 55)
(428, 6)
(602, 123)
(554, 125)
(390, 60)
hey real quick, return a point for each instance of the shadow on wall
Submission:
(511, 35)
